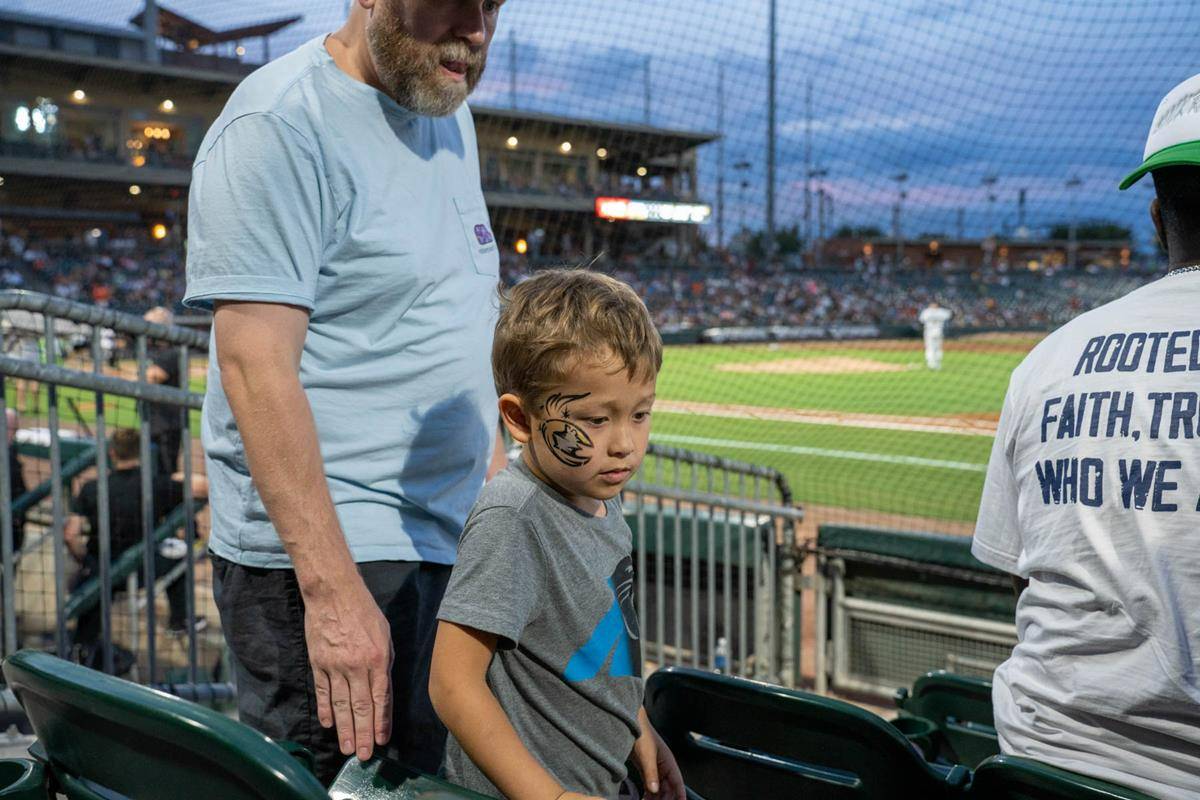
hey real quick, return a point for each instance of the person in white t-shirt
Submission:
(934, 318)
(1092, 502)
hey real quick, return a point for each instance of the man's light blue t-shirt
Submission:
(312, 189)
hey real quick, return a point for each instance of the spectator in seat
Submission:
(1091, 502)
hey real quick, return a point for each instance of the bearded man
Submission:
(337, 229)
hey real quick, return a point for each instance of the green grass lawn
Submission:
(937, 475)
(968, 383)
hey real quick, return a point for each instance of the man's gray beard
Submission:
(408, 71)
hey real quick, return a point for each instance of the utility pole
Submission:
(721, 155)
(771, 137)
(512, 70)
(816, 246)
(743, 168)
(990, 182)
(1073, 184)
(808, 168)
(900, 195)
(150, 31)
(646, 87)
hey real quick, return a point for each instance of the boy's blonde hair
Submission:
(558, 317)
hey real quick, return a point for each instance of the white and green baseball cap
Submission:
(1175, 135)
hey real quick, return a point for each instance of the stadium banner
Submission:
(802, 333)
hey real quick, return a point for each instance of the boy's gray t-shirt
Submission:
(556, 586)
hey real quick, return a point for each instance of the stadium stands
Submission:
(128, 271)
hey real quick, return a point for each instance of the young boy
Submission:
(537, 665)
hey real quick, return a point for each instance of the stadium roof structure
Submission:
(191, 35)
(650, 141)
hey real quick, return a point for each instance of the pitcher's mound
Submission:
(826, 365)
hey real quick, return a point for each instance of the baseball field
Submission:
(860, 426)
(862, 430)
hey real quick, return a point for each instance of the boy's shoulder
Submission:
(512, 488)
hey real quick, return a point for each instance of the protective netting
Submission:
(959, 152)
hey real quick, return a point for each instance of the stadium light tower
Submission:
(646, 89)
(721, 155)
(771, 134)
(743, 167)
(900, 196)
(1073, 184)
(150, 31)
(814, 244)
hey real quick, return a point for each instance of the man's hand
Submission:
(660, 773)
(350, 650)
(259, 346)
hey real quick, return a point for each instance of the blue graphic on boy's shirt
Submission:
(614, 635)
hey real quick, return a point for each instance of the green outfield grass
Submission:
(913, 473)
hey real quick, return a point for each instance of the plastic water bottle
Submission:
(721, 656)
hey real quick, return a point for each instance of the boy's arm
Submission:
(656, 763)
(460, 694)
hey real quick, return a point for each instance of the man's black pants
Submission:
(262, 614)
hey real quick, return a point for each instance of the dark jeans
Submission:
(262, 615)
(164, 451)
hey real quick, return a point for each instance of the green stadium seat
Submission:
(698, 523)
(381, 779)
(962, 709)
(102, 736)
(736, 738)
(87, 595)
(1013, 778)
(22, 779)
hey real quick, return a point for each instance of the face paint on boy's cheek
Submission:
(565, 440)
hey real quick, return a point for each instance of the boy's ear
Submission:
(512, 413)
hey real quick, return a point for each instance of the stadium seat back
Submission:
(1013, 778)
(737, 738)
(106, 738)
(961, 707)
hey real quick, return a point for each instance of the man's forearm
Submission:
(280, 438)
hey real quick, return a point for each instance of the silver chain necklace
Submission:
(1182, 270)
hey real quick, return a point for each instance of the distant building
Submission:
(95, 129)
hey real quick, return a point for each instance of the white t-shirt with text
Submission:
(1093, 495)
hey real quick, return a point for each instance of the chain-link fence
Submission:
(788, 184)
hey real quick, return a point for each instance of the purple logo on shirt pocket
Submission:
(483, 235)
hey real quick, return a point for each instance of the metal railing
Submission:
(875, 644)
(91, 330)
(715, 558)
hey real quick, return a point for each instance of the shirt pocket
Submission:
(477, 232)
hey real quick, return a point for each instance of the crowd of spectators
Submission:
(682, 298)
(122, 270)
(127, 271)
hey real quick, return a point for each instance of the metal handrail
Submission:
(22, 300)
(728, 464)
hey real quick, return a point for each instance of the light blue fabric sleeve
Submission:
(257, 209)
